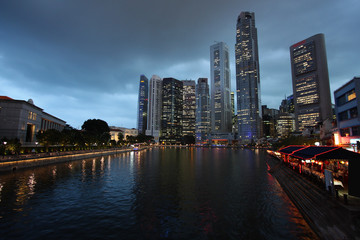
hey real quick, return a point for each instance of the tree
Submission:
(11, 146)
(96, 131)
(141, 138)
(121, 137)
(49, 137)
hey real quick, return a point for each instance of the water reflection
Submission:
(161, 193)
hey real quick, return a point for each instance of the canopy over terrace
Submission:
(286, 151)
(323, 153)
(312, 152)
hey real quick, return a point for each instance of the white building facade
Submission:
(154, 108)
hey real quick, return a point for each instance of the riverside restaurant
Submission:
(333, 167)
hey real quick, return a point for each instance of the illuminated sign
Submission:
(298, 44)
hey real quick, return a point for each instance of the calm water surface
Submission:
(154, 194)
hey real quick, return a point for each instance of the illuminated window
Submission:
(351, 96)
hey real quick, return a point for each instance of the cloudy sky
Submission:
(82, 59)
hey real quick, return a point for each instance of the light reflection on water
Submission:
(159, 193)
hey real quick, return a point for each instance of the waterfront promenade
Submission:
(330, 217)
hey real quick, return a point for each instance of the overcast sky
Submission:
(82, 59)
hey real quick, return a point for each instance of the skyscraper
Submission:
(247, 78)
(202, 111)
(189, 108)
(154, 108)
(310, 78)
(142, 104)
(172, 111)
(220, 89)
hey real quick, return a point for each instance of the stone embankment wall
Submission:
(41, 159)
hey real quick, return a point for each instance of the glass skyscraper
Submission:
(142, 104)
(172, 111)
(202, 111)
(189, 108)
(310, 78)
(247, 78)
(221, 121)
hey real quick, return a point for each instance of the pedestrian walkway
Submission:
(329, 217)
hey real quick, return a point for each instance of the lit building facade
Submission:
(154, 108)
(221, 120)
(310, 78)
(347, 106)
(114, 133)
(287, 105)
(285, 124)
(142, 105)
(23, 120)
(203, 126)
(172, 111)
(269, 121)
(189, 108)
(247, 78)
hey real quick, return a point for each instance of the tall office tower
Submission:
(220, 89)
(202, 111)
(142, 104)
(172, 111)
(310, 78)
(247, 78)
(154, 108)
(189, 108)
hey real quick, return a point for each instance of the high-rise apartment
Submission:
(142, 104)
(172, 111)
(154, 108)
(220, 89)
(310, 78)
(202, 111)
(247, 78)
(189, 108)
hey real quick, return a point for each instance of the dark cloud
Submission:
(82, 59)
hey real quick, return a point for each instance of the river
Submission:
(172, 193)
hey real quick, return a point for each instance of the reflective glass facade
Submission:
(142, 104)
(172, 111)
(202, 111)
(247, 78)
(221, 120)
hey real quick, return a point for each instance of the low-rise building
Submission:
(22, 120)
(347, 106)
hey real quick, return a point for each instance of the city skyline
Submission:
(82, 61)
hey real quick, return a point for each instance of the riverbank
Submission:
(329, 218)
(35, 160)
